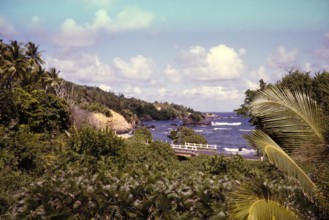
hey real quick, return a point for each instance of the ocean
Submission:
(226, 131)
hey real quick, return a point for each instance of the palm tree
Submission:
(295, 120)
(50, 80)
(33, 56)
(32, 79)
(256, 201)
(13, 64)
(20, 65)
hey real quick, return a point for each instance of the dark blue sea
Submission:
(226, 131)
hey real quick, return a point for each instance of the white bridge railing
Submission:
(194, 147)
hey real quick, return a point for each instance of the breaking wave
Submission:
(222, 129)
(241, 151)
(246, 130)
(225, 123)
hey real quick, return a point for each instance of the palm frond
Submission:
(292, 116)
(263, 143)
(255, 202)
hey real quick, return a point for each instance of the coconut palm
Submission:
(34, 56)
(255, 201)
(32, 79)
(13, 64)
(298, 125)
(274, 153)
(50, 80)
(292, 117)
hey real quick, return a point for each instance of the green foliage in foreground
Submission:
(95, 174)
(298, 124)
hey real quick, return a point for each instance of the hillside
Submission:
(23, 74)
(133, 110)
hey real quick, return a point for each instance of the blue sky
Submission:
(202, 54)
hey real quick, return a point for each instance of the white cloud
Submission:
(252, 82)
(172, 74)
(322, 53)
(138, 67)
(224, 62)
(208, 98)
(131, 18)
(36, 21)
(242, 51)
(83, 68)
(131, 91)
(308, 67)
(162, 92)
(252, 85)
(218, 63)
(73, 34)
(6, 28)
(88, 69)
(283, 58)
(260, 73)
(213, 93)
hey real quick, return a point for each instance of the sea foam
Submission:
(225, 123)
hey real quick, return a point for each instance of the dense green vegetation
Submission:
(95, 99)
(49, 169)
(292, 121)
(317, 87)
(184, 135)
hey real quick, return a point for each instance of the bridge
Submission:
(192, 149)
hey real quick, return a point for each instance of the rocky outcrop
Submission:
(145, 118)
(191, 122)
(117, 122)
(100, 121)
(196, 119)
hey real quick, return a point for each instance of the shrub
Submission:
(143, 134)
(196, 116)
(94, 145)
(8, 110)
(187, 135)
(22, 150)
(97, 107)
(40, 111)
(144, 194)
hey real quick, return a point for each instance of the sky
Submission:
(202, 54)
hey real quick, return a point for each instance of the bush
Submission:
(144, 194)
(22, 150)
(41, 111)
(94, 145)
(163, 151)
(187, 135)
(97, 107)
(129, 115)
(143, 134)
(8, 110)
(196, 116)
